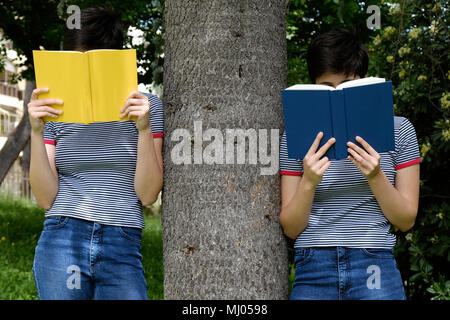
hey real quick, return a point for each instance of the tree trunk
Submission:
(225, 65)
(18, 139)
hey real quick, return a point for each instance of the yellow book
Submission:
(93, 85)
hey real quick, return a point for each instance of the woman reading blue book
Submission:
(340, 212)
(93, 180)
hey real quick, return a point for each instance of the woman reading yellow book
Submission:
(93, 178)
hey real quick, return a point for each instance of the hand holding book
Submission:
(314, 163)
(137, 105)
(366, 159)
(93, 84)
(40, 108)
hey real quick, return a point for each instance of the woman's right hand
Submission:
(313, 166)
(39, 108)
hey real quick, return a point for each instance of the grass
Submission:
(153, 257)
(20, 227)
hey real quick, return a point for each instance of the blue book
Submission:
(361, 107)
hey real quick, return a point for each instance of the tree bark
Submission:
(18, 139)
(225, 65)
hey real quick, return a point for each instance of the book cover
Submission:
(93, 84)
(360, 107)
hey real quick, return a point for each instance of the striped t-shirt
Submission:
(344, 211)
(96, 165)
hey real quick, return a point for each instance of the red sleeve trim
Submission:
(47, 141)
(158, 135)
(407, 164)
(291, 173)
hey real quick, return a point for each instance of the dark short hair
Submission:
(337, 51)
(101, 28)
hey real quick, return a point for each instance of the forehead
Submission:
(330, 77)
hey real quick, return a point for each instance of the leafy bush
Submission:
(411, 49)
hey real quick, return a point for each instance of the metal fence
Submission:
(17, 183)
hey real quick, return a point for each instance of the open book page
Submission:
(65, 73)
(113, 75)
(310, 87)
(347, 84)
(360, 82)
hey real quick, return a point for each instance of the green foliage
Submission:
(20, 227)
(22, 22)
(411, 49)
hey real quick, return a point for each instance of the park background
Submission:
(411, 48)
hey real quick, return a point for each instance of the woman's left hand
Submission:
(137, 105)
(367, 160)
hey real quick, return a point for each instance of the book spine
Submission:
(346, 121)
(331, 153)
(339, 123)
(91, 107)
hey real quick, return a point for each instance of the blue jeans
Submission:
(79, 259)
(335, 273)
